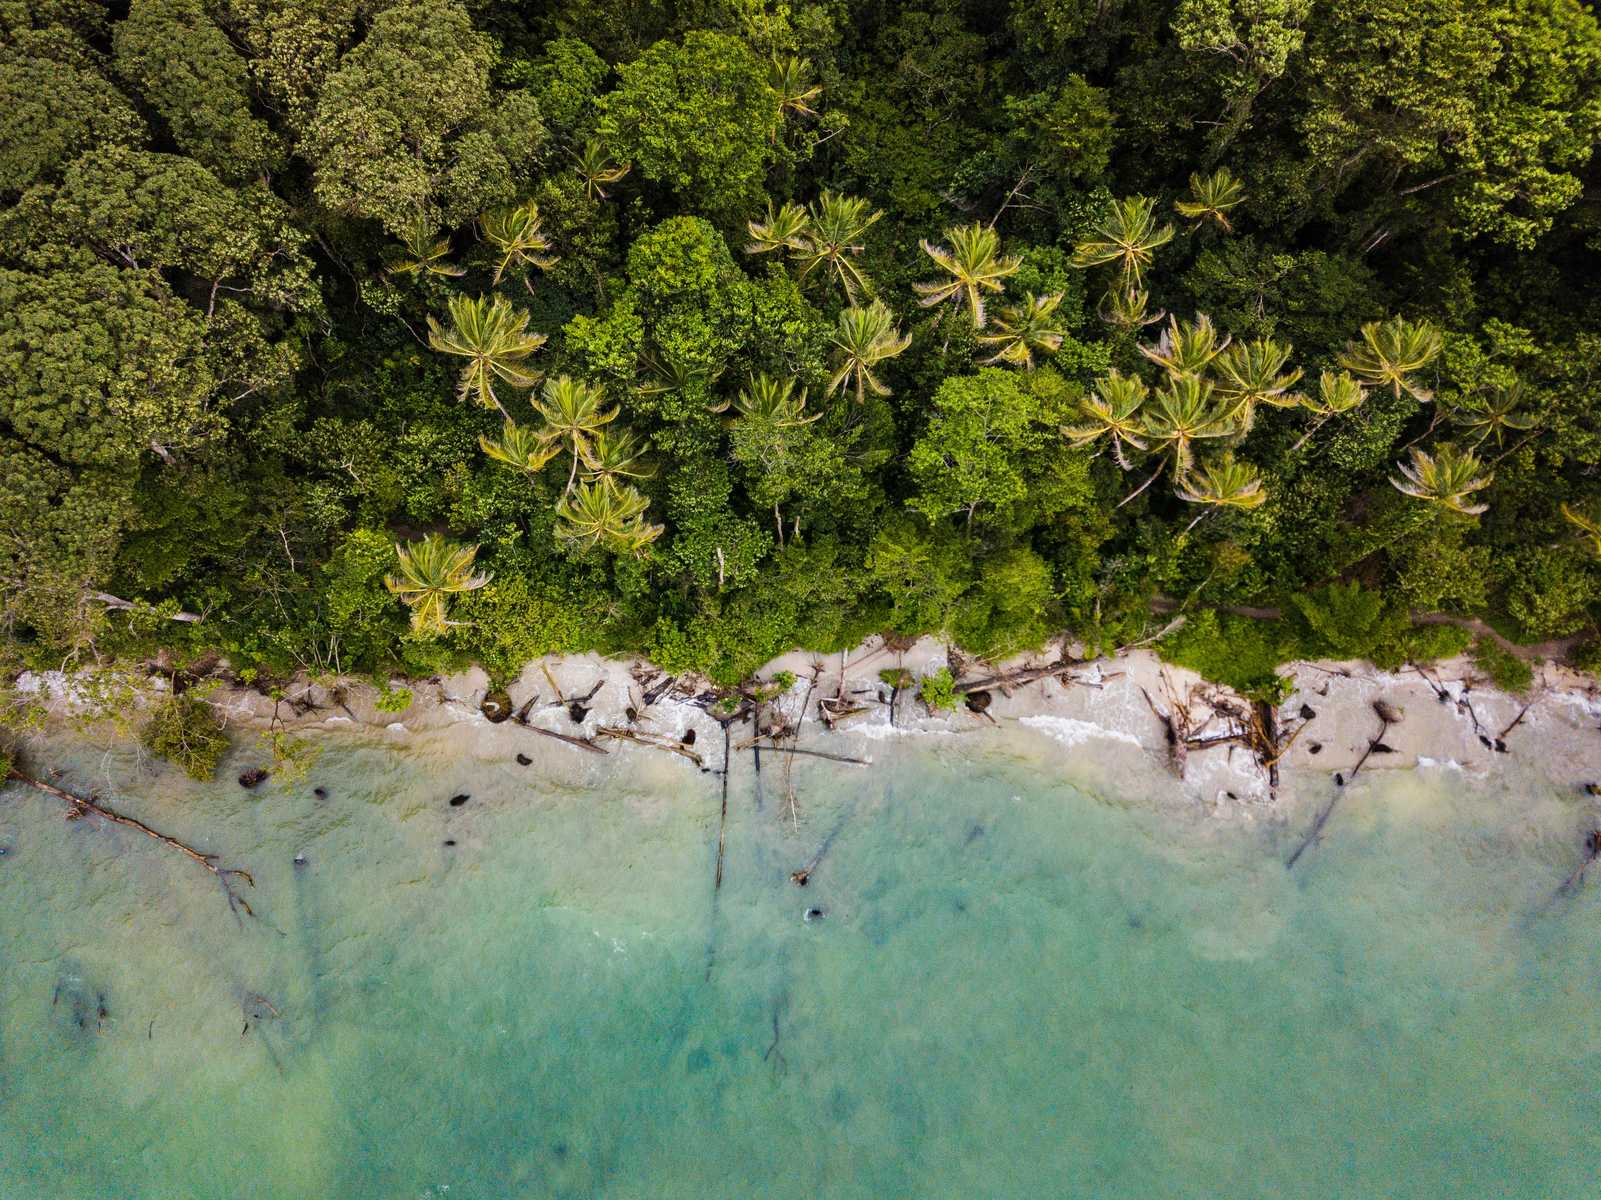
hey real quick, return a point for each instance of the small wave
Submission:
(1072, 732)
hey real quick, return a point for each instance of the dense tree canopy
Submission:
(386, 336)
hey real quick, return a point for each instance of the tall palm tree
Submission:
(833, 241)
(614, 455)
(424, 253)
(574, 413)
(428, 574)
(784, 229)
(1220, 483)
(605, 514)
(975, 265)
(1186, 347)
(1022, 329)
(1180, 414)
(865, 338)
(598, 169)
(517, 232)
(521, 447)
(1336, 393)
(771, 402)
(1211, 198)
(1391, 352)
(1128, 237)
(1252, 373)
(1447, 477)
(1112, 411)
(1493, 414)
(790, 77)
(493, 337)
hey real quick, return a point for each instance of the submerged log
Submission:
(581, 743)
(1388, 715)
(81, 806)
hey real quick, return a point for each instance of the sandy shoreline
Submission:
(1098, 711)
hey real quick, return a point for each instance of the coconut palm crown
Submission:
(975, 265)
(428, 573)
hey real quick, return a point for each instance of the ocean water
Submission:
(1029, 978)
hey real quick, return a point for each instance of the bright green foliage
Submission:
(1236, 651)
(1448, 477)
(1212, 197)
(697, 117)
(188, 70)
(408, 125)
(187, 733)
(866, 337)
(969, 454)
(606, 513)
(938, 690)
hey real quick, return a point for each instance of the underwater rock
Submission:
(496, 706)
(253, 777)
(979, 701)
(459, 799)
(524, 761)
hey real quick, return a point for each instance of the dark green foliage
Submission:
(187, 733)
(226, 224)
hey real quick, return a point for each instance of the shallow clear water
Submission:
(1020, 988)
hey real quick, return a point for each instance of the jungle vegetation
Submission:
(373, 337)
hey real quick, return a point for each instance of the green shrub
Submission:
(1238, 652)
(187, 733)
(938, 691)
(1505, 669)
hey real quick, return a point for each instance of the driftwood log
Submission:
(654, 741)
(1388, 715)
(84, 806)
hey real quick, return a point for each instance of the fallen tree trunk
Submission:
(118, 604)
(82, 807)
(1013, 678)
(776, 749)
(640, 739)
(581, 743)
(1387, 716)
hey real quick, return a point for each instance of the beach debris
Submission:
(459, 799)
(1060, 669)
(1388, 715)
(521, 719)
(523, 760)
(80, 807)
(1500, 738)
(496, 706)
(654, 741)
(254, 777)
(450, 841)
(722, 821)
(834, 711)
(320, 792)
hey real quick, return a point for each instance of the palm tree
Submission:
(1113, 411)
(1021, 329)
(833, 238)
(1186, 347)
(429, 573)
(1252, 373)
(598, 169)
(771, 402)
(1447, 478)
(1211, 197)
(1223, 482)
(1128, 237)
(493, 337)
(784, 229)
(1128, 309)
(614, 455)
(1589, 528)
(424, 253)
(975, 265)
(1492, 415)
(1390, 352)
(602, 513)
(517, 233)
(790, 79)
(573, 415)
(1180, 414)
(669, 375)
(1337, 393)
(521, 447)
(866, 337)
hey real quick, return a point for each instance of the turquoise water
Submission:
(1019, 987)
